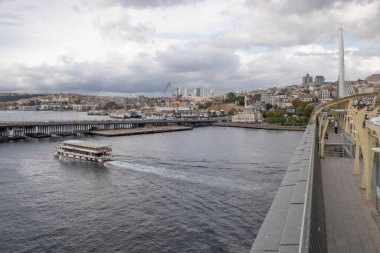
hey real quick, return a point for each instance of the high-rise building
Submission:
(319, 79)
(307, 79)
(197, 92)
(185, 93)
(213, 92)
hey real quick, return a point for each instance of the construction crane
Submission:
(176, 99)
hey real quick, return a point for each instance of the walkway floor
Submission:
(350, 219)
(332, 137)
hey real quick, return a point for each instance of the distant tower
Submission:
(185, 95)
(341, 88)
(213, 92)
(245, 101)
(307, 79)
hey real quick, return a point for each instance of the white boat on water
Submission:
(83, 150)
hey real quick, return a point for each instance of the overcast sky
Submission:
(137, 46)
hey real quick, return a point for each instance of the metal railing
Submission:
(348, 146)
(313, 236)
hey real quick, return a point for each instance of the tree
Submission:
(296, 102)
(111, 106)
(232, 111)
(268, 106)
(240, 100)
(257, 97)
(231, 97)
(31, 103)
(309, 108)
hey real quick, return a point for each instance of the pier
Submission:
(22, 130)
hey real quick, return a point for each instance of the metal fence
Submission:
(313, 235)
(348, 146)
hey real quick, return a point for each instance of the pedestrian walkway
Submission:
(351, 221)
(333, 138)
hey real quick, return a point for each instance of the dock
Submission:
(136, 131)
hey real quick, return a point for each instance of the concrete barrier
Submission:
(291, 225)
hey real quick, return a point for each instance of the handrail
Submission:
(305, 229)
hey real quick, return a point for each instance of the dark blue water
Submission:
(206, 190)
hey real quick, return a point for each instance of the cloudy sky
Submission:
(137, 46)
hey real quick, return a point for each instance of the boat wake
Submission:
(188, 176)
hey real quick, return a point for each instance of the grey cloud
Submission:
(368, 50)
(121, 28)
(201, 66)
(193, 58)
(81, 77)
(9, 19)
(195, 66)
(147, 3)
(302, 6)
(288, 23)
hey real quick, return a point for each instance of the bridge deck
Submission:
(333, 139)
(350, 220)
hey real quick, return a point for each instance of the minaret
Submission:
(245, 101)
(341, 88)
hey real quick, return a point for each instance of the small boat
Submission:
(83, 150)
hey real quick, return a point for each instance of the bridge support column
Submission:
(322, 141)
(365, 144)
(356, 170)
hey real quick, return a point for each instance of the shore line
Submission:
(261, 126)
(136, 131)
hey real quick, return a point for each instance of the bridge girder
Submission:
(351, 120)
(339, 103)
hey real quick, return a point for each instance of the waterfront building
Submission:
(250, 114)
(84, 107)
(167, 110)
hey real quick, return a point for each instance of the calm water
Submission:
(206, 190)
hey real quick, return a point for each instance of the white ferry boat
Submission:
(84, 150)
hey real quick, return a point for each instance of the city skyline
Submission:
(138, 46)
